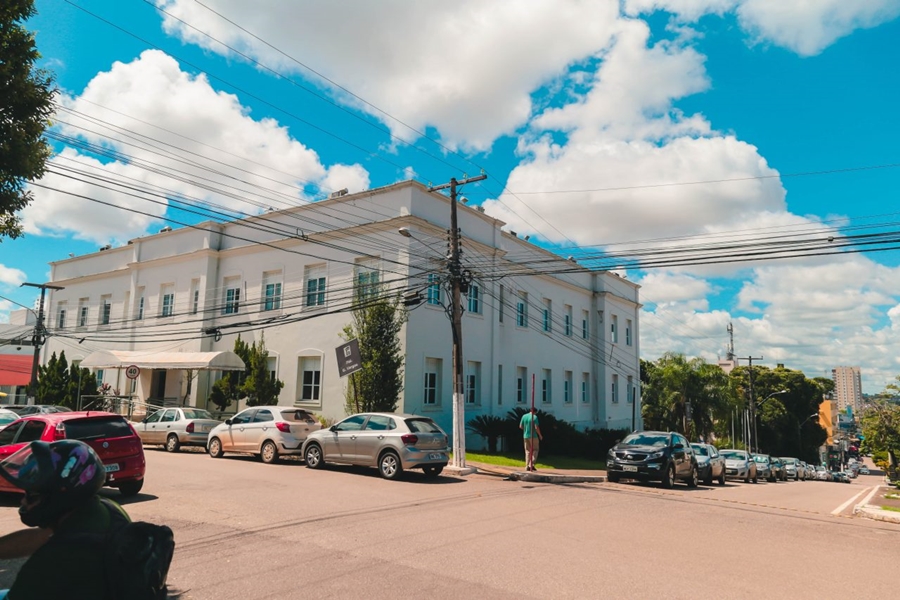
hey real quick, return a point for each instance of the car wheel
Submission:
(269, 452)
(433, 471)
(722, 478)
(709, 478)
(694, 479)
(313, 456)
(389, 465)
(131, 488)
(215, 448)
(668, 480)
(612, 477)
(172, 443)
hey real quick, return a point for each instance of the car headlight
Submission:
(611, 454)
(656, 455)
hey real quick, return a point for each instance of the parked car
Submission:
(739, 465)
(864, 470)
(710, 464)
(110, 435)
(764, 467)
(391, 442)
(34, 409)
(791, 468)
(7, 416)
(807, 471)
(177, 427)
(822, 474)
(653, 456)
(267, 431)
(778, 468)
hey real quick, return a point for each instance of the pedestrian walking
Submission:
(531, 433)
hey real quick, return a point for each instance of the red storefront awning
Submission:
(15, 369)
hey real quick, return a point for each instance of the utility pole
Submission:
(456, 280)
(755, 439)
(37, 338)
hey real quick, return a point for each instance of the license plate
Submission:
(731, 471)
(630, 468)
(111, 468)
(435, 456)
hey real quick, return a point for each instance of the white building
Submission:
(847, 388)
(290, 275)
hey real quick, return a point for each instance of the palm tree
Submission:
(490, 427)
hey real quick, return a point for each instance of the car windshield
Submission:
(733, 455)
(760, 459)
(197, 413)
(700, 449)
(647, 439)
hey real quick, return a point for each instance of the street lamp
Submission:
(800, 430)
(754, 407)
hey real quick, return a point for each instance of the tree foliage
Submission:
(376, 324)
(255, 383)
(881, 425)
(26, 96)
(58, 383)
(259, 387)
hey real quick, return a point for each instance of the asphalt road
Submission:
(245, 530)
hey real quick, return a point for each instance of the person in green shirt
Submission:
(531, 433)
(60, 480)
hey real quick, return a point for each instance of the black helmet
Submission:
(57, 477)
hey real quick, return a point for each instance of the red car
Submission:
(110, 435)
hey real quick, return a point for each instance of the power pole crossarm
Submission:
(37, 339)
(456, 277)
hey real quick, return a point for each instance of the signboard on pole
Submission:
(348, 358)
(132, 372)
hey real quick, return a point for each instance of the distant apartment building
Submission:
(847, 389)
(569, 341)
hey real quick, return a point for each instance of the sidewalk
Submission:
(541, 476)
(874, 511)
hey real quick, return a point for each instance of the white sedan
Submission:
(176, 427)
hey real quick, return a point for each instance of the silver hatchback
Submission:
(391, 442)
(267, 431)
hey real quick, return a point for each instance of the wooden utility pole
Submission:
(456, 280)
(37, 338)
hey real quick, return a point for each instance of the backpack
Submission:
(136, 558)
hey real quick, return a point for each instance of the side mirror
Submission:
(228, 421)
(678, 446)
(333, 428)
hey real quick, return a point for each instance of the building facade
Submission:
(847, 389)
(534, 324)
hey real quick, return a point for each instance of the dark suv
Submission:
(653, 456)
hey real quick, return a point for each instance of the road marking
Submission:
(869, 497)
(843, 506)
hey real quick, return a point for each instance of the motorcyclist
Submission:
(60, 480)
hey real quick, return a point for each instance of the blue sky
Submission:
(552, 99)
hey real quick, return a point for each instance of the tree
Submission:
(53, 380)
(81, 383)
(26, 96)
(490, 427)
(376, 323)
(881, 427)
(259, 387)
(686, 395)
(228, 389)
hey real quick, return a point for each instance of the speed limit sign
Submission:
(132, 372)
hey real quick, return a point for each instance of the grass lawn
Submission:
(509, 459)
(893, 508)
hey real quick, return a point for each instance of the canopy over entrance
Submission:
(194, 361)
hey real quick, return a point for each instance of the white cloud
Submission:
(466, 68)
(809, 26)
(11, 276)
(253, 163)
(804, 26)
(626, 143)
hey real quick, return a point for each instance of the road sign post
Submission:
(132, 372)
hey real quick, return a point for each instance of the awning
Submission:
(15, 369)
(196, 361)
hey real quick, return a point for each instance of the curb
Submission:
(876, 514)
(547, 478)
